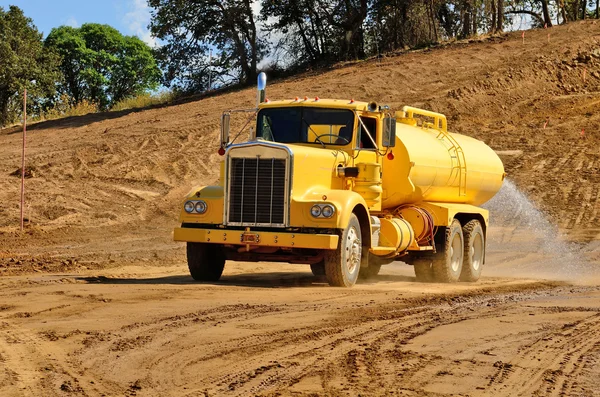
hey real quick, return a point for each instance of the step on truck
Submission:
(345, 187)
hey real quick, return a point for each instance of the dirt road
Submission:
(151, 331)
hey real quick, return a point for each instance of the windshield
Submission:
(306, 125)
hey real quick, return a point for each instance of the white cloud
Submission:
(138, 19)
(71, 21)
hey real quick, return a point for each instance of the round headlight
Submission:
(188, 207)
(315, 211)
(328, 211)
(201, 207)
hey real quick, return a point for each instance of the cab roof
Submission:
(317, 102)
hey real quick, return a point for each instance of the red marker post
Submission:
(23, 156)
(523, 36)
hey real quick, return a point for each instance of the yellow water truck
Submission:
(346, 187)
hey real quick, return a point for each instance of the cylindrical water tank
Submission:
(437, 166)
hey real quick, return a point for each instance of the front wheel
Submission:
(205, 261)
(343, 264)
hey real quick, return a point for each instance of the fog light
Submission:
(328, 211)
(201, 207)
(315, 211)
(189, 207)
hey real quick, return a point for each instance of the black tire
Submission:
(342, 265)
(318, 269)
(474, 251)
(205, 261)
(369, 272)
(423, 269)
(447, 264)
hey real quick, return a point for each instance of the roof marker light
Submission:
(351, 100)
(305, 98)
(267, 100)
(316, 98)
(296, 99)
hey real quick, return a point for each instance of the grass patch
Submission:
(144, 100)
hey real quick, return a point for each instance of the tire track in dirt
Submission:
(35, 365)
(560, 358)
(309, 351)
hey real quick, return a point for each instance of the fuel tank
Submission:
(431, 164)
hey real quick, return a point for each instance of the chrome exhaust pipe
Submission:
(262, 85)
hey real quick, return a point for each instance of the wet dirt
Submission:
(95, 298)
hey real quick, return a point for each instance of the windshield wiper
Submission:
(272, 137)
(314, 132)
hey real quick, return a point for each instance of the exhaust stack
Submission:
(262, 85)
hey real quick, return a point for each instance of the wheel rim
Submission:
(455, 253)
(477, 252)
(353, 250)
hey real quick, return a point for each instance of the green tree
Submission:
(101, 65)
(24, 63)
(191, 29)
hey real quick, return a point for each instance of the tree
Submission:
(307, 35)
(193, 28)
(24, 63)
(537, 9)
(101, 65)
(348, 17)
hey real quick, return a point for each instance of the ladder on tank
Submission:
(459, 163)
(440, 124)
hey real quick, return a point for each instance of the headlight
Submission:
(328, 211)
(195, 207)
(315, 211)
(189, 207)
(201, 207)
(322, 210)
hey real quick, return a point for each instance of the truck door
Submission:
(364, 149)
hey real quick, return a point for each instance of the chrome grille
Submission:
(257, 191)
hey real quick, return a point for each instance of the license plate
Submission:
(250, 238)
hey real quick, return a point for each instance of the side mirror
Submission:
(389, 132)
(225, 129)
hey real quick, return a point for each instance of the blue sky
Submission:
(130, 17)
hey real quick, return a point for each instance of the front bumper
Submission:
(257, 239)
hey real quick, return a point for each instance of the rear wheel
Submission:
(343, 264)
(474, 251)
(423, 270)
(205, 261)
(447, 265)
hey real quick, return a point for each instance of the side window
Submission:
(364, 140)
